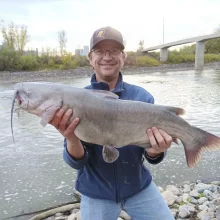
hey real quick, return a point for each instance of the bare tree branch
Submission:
(62, 39)
(15, 36)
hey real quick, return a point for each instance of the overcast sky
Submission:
(136, 19)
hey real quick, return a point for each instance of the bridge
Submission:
(200, 47)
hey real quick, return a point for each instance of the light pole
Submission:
(163, 30)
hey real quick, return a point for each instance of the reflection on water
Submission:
(34, 175)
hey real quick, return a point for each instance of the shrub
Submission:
(68, 62)
(211, 57)
(27, 62)
(8, 59)
(146, 61)
(130, 53)
(81, 60)
(176, 57)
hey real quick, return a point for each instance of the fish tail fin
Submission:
(196, 143)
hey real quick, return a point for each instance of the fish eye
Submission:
(29, 94)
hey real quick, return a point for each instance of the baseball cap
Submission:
(106, 33)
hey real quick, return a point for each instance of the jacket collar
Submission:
(104, 86)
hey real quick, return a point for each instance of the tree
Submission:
(213, 46)
(140, 48)
(217, 30)
(188, 49)
(62, 41)
(15, 36)
(141, 45)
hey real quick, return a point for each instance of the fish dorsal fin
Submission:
(104, 93)
(176, 110)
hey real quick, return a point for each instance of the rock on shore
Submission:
(191, 201)
(194, 200)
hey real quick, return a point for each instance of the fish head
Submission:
(41, 99)
(35, 98)
(27, 98)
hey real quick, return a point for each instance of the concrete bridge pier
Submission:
(199, 59)
(163, 54)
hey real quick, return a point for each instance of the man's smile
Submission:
(107, 64)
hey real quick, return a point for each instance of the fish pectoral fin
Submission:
(176, 140)
(48, 114)
(104, 93)
(110, 154)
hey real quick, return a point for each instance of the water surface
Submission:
(33, 174)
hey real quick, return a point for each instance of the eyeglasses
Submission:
(102, 52)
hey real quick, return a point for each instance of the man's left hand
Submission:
(159, 140)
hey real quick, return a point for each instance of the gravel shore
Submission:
(52, 75)
(189, 201)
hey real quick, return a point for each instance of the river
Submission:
(33, 174)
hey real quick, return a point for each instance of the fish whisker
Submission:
(17, 109)
(12, 110)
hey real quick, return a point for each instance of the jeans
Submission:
(145, 205)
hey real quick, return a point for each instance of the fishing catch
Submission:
(111, 122)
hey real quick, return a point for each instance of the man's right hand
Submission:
(60, 122)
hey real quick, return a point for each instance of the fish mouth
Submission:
(18, 98)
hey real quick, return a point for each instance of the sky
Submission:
(136, 20)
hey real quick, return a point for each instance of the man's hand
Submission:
(159, 140)
(60, 122)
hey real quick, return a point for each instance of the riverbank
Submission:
(52, 75)
(191, 200)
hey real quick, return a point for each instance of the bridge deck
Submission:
(185, 41)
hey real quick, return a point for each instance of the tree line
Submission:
(14, 57)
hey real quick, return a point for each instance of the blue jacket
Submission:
(127, 175)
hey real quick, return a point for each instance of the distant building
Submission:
(78, 52)
(31, 52)
(82, 52)
(85, 50)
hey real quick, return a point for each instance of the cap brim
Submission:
(101, 40)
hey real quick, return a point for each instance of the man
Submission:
(126, 184)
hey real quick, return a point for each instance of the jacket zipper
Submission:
(116, 182)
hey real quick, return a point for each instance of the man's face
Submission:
(107, 66)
